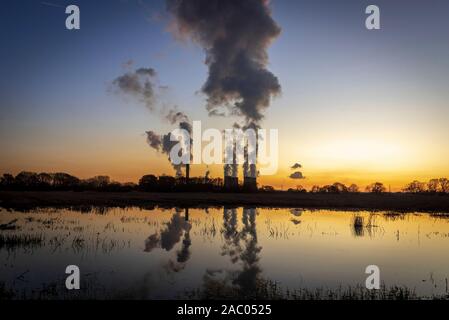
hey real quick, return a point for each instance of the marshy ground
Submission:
(222, 253)
(364, 201)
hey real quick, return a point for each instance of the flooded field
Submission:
(222, 253)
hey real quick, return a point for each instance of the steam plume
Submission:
(138, 84)
(235, 35)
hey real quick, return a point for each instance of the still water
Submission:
(219, 252)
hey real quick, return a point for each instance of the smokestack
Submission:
(249, 173)
(187, 173)
(231, 180)
(249, 184)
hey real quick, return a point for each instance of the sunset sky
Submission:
(356, 105)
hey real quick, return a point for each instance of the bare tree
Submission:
(444, 185)
(377, 187)
(415, 187)
(353, 188)
(433, 185)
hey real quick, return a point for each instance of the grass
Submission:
(269, 290)
(218, 290)
(5, 294)
(86, 201)
(15, 241)
(358, 226)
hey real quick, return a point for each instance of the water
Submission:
(168, 253)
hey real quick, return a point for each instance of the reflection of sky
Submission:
(380, 93)
(321, 251)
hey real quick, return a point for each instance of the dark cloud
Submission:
(296, 166)
(154, 140)
(164, 144)
(297, 175)
(146, 72)
(235, 35)
(174, 116)
(138, 84)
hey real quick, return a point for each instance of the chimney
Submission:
(250, 184)
(231, 180)
(187, 173)
(249, 173)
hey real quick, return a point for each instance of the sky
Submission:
(357, 105)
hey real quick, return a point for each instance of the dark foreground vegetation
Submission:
(365, 201)
(31, 181)
(264, 290)
(28, 190)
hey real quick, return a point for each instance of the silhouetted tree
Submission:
(444, 185)
(45, 180)
(166, 183)
(97, 182)
(267, 189)
(377, 187)
(148, 182)
(26, 180)
(433, 185)
(338, 187)
(65, 181)
(353, 188)
(7, 181)
(415, 187)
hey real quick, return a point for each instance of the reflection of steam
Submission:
(296, 212)
(182, 255)
(241, 247)
(230, 234)
(170, 236)
(152, 242)
(247, 279)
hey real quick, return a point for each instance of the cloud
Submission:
(235, 36)
(296, 166)
(297, 175)
(154, 140)
(138, 84)
(174, 116)
(164, 144)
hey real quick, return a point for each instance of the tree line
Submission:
(433, 186)
(31, 181)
